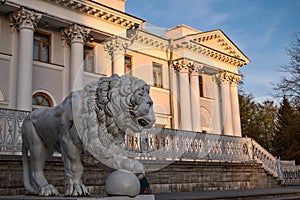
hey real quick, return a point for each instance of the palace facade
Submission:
(49, 48)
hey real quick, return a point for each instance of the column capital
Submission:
(226, 77)
(24, 18)
(223, 78)
(235, 79)
(75, 33)
(116, 46)
(183, 65)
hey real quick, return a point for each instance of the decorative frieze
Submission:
(101, 12)
(75, 33)
(198, 48)
(150, 39)
(24, 18)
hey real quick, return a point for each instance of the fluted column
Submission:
(76, 37)
(116, 48)
(195, 100)
(224, 80)
(182, 66)
(235, 105)
(25, 21)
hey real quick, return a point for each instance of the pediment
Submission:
(218, 41)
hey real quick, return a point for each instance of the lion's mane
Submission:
(103, 103)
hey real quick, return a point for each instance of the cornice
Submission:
(101, 12)
(221, 41)
(207, 51)
(149, 39)
(228, 53)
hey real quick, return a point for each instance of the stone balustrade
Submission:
(170, 144)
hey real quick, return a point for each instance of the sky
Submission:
(262, 29)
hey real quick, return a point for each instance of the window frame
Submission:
(131, 65)
(154, 64)
(86, 55)
(45, 96)
(201, 86)
(41, 43)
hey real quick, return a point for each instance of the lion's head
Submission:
(109, 107)
(126, 100)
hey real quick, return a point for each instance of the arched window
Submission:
(40, 100)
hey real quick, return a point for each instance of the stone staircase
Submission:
(179, 176)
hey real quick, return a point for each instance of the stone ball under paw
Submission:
(122, 183)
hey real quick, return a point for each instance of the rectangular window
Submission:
(157, 75)
(41, 47)
(128, 65)
(89, 59)
(201, 86)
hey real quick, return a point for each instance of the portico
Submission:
(193, 74)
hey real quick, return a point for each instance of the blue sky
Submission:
(262, 29)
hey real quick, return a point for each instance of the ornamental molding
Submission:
(214, 44)
(24, 18)
(214, 54)
(115, 46)
(219, 39)
(101, 12)
(149, 39)
(75, 33)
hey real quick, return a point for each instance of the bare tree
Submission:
(289, 86)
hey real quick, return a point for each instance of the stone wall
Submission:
(180, 176)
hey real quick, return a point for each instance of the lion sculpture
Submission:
(92, 122)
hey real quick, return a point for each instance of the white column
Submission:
(235, 105)
(76, 37)
(25, 21)
(174, 95)
(13, 79)
(66, 73)
(195, 101)
(226, 103)
(184, 95)
(116, 49)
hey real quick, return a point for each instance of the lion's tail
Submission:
(26, 172)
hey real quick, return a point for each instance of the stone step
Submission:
(249, 194)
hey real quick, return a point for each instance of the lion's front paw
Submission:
(76, 190)
(48, 190)
(132, 165)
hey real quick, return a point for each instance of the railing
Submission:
(10, 130)
(268, 161)
(169, 144)
(177, 144)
